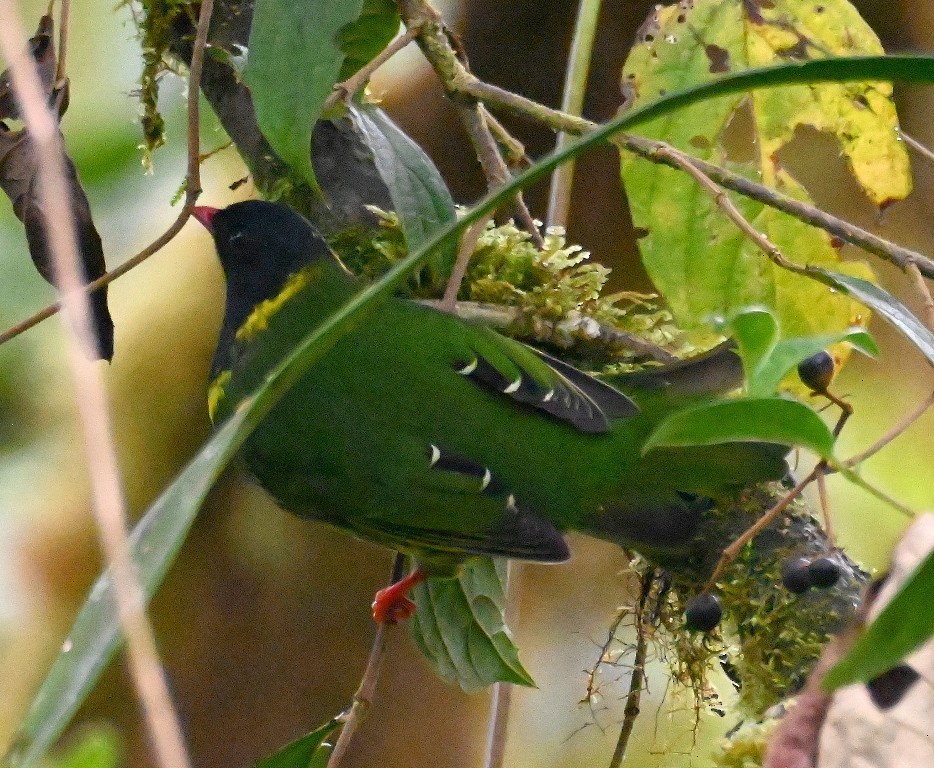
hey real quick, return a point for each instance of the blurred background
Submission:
(264, 621)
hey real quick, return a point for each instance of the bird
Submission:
(443, 439)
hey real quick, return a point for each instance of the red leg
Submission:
(391, 604)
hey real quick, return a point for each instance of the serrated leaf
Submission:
(294, 61)
(67, 684)
(363, 38)
(883, 302)
(764, 419)
(696, 257)
(460, 628)
(419, 195)
(309, 751)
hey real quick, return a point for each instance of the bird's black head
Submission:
(260, 245)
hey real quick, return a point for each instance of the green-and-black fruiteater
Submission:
(442, 438)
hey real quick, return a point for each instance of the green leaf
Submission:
(903, 625)
(294, 61)
(697, 258)
(309, 751)
(96, 631)
(767, 360)
(885, 304)
(98, 747)
(69, 681)
(756, 332)
(362, 39)
(765, 419)
(460, 628)
(789, 352)
(419, 195)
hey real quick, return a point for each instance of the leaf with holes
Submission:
(695, 256)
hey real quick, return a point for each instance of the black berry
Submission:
(825, 572)
(817, 371)
(703, 612)
(796, 576)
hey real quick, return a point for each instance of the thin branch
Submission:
(494, 96)
(468, 245)
(918, 147)
(924, 292)
(435, 38)
(733, 550)
(91, 394)
(192, 184)
(502, 692)
(358, 79)
(513, 149)
(572, 101)
(893, 433)
(637, 681)
(502, 316)
(363, 698)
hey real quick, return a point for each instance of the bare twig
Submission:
(572, 101)
(502, 692)
(893, 433)
(434, 38)
(91, 394)
(363, 698)
(356, 81)
(825, 506)
(192, 185)
(63, 19)
(494, 96)
(924, 292)
(918, 147)
(733, 550)
(501, 316)
(637, 681)
(467, 246)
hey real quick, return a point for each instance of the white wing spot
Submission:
(548, 395)
(511, 502)
(514, 386)
(487, 477)
(435, 455)
(469, 368)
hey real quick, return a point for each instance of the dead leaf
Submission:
(19, 168)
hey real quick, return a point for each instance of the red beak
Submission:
(205, 214)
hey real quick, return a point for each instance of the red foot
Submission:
(391, 604)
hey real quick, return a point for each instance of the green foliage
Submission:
(308, 751)
(904, 624)
(762, 419)
(459, 627)
(289, 90)
(367, 35)
(697, 258)
(767, 357)
(78, 666)
(419, 195)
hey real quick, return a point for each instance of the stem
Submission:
(363, 698)
(502, 692)
(894, 432)
(356, 81)
(109, 505)
(648, 149)
(468, 245)
(572, 101)
(637, 681)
